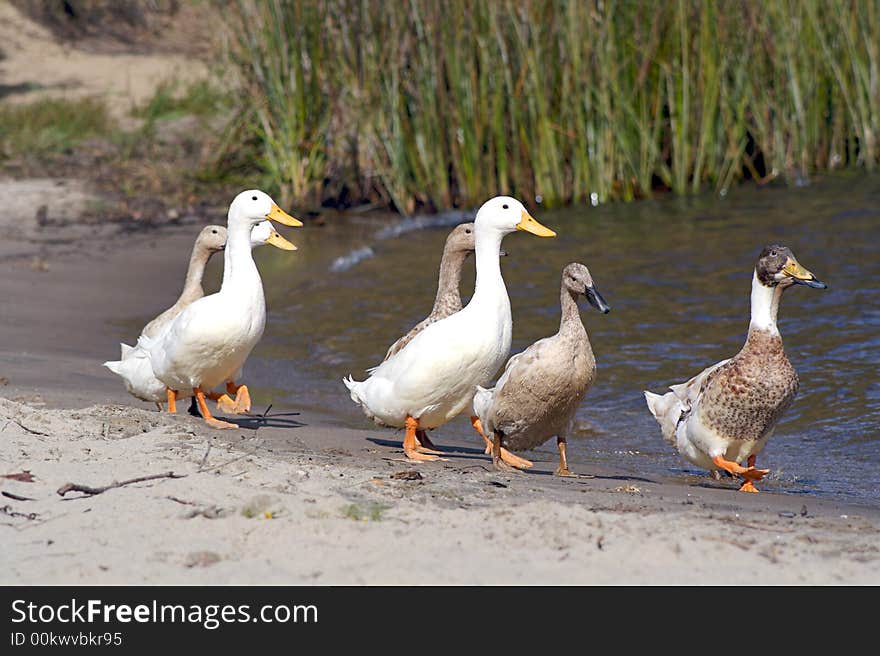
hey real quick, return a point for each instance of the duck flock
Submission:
(719, 420)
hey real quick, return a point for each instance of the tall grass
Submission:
(431, 103)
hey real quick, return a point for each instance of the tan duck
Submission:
(542, 387)
(459, 245)
(212, 239)
(725, 415)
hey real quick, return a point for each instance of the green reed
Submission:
(433, 104)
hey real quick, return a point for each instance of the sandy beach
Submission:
(294, 498)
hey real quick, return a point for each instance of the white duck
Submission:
(433, 378)
(725, 414)
(208, 343)
(134, 368)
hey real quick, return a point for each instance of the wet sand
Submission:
(293, 498)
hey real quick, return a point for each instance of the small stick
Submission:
(182, 501)
(205, 457)
(30, 430)
(17, 497)
(85, 489)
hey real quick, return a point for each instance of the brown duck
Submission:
(541, 388)
(725, 415)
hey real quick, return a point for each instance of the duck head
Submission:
(505, 215)
(461, 240)
(777, 266)
(253, 206)
(211, 239)
(577, 279)
(264, 233)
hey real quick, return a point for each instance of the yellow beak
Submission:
(793, 269)
(800, 275)
(528, 224)
(282, 217)
(278, 241)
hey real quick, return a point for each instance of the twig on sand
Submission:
(183, 502)
(85, 489)
(16, 497)
(205, 457)
(30, 430)
(23, 476)
(8, 510)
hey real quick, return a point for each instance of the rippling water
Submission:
(677, 274)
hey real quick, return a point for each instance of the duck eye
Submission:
(468, 231)
(772, 253)
(253, 198)
(504, 206)
(214, 232)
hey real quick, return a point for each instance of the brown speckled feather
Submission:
(744, 398)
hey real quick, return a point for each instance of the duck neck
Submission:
(448, 294)
(489, 284)
(239, 269)
(571, 315)
(192, 286)
(765, 306)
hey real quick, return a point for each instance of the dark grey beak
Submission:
(596, 300)
(812, 282)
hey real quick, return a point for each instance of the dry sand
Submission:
(293, 498)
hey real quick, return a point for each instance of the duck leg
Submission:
(206, 414)
(747, 485)
(506, 456)
(225, 403)
(159, 406)
(242, 403)
(749, 473)
(562, 469)
(424, 443)
(497, 458)
(410, 443)
(172, 400)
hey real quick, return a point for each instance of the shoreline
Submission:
(293, 498)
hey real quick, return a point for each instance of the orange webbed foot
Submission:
(749, 473)
(425, 445)
(515, 461)
(411, 447)
(748, 486)
(242, 400)
(213, 422)
(206, 414)
(226, 404)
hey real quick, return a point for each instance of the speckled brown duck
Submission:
(725, 415)
(542, 387)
